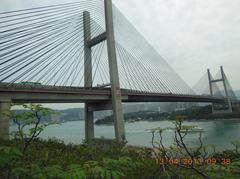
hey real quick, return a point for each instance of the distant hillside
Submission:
(136, 116)
(72, 114)
(192, 113)
(76, 114)
(237, 93)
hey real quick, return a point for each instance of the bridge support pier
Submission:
(114, 78)
(89, 123)
(226, 91)
(210, 87)
(89, 118)
(5, 106)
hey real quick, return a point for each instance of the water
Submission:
(218, 132)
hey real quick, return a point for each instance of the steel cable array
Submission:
(46, 45)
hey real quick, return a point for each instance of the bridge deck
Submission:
(57, 94)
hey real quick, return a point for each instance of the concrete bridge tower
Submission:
(223, 80)
(116, 102)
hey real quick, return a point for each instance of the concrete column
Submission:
(89, 122)
(210, 83)
(210, 87)
(114, 78)
(226, 91)
(4, 120)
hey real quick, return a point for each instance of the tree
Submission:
(236, 144)
(179, 148)
(29, 124)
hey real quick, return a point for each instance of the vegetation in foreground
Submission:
(53, 159)
(27, 156)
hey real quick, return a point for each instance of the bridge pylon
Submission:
(116, 102)
(89, 118)
(228, 98)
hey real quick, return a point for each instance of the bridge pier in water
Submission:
(5, 106)
(116, 100)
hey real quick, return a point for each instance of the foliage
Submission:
(180, 150)
(28, 123)
(236, 144)
(54, 159)
(102, 159)
(57, 160)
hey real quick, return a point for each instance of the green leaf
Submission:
(75, 171)
(117, 174)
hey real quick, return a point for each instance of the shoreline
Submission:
(187, 120)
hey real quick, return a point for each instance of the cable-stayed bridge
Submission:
(218, 86)
(87, 52)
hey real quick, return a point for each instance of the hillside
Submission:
(192, 113)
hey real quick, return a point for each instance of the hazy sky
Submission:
(191, 35)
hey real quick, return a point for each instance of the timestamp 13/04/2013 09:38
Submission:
(190, 161)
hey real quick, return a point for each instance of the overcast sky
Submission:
(191, 35)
